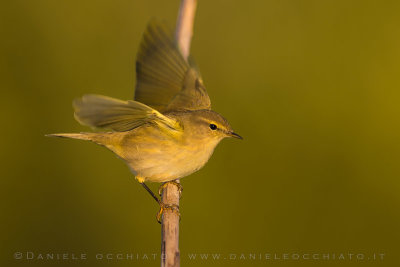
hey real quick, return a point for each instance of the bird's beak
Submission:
(235, 135)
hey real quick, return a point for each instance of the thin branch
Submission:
(170, 255)
(184, 25)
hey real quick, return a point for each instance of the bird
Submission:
(168, 131)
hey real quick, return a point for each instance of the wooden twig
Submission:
(170, 255)
(184, 25)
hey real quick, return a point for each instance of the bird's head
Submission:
(207, 125)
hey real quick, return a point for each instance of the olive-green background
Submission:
(313, 86)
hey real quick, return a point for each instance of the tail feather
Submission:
(81, 136)
(111, 140)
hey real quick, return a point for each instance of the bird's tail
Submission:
(99, 138)
(82, 136)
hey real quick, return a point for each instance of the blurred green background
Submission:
(313, 86)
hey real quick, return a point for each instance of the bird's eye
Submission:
(213, 126)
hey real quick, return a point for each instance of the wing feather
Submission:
(165, 80)
(105, 112)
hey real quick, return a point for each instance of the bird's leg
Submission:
(163, 207)
(180, 187)
(150, 192)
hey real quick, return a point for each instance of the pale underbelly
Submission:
(160, 165)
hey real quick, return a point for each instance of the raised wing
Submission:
(106, 112)
(165, 81)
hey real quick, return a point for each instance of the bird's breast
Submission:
(164, 159)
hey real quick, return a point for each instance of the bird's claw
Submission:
(164, 207)
(180, 188)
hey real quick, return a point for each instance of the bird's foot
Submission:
(164, 207)
(177, 184)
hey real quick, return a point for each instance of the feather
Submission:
(106, 112)
(165, 80)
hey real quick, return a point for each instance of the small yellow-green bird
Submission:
(169, 131)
